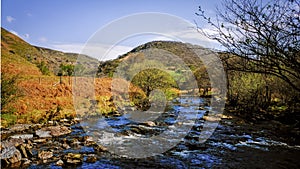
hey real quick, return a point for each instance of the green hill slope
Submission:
(176, 56)
(19, 56)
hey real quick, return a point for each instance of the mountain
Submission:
(19, 56)
(176, 57)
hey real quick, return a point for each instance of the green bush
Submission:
(8, 119)
(151, 79)
(43, 68)
(66, 70)
(249, 91)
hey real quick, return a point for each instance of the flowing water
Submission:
(177, 145)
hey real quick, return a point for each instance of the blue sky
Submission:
(68, 24)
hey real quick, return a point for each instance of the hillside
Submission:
(13, 57)
(162, 51)
(42, 95)
(16, 52)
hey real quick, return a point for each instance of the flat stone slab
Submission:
(53, 131)
(22, 136)
(20, 127)
(43, 134)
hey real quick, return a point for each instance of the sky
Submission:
(68, 25)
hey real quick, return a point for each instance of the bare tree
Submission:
(266, 35)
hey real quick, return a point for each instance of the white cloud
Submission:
(43, 39)
(98, 51)
(193, 36)
(71, 47)
(10, 19)
(14, 32)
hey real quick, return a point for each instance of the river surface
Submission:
(177, 143)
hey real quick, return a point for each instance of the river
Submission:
(233, 144)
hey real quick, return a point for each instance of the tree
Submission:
(151, 79)
(266, 35)
(43, 68)
(66, 70)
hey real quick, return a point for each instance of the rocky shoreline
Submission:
(23, 145)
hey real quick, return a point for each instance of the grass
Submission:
(8, 119)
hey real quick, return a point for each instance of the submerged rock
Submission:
(91, 159)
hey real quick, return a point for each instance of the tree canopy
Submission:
(266, 35)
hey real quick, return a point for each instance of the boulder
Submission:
(64, 120)
(44, 155)
(59, 130)
(91, 158)
(20, 127)
(73, 159)
(43, 134)
(23, 150)
(149, 123)
(75, 143)
(54, 131)
(5, 134)
(211, 118)
(223, 116)
(65, 146)
(26, 162)
(42, 140)
(10, 155)
(89, 141)
(60, 163)
(100, 148)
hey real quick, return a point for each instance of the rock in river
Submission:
(43, 134)
(54, 131)
(149, 123)
(10, 155)
(22, 136)
(59, 163)
(211, 118)
(44, 155)
(74, 159)
(91, 158)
